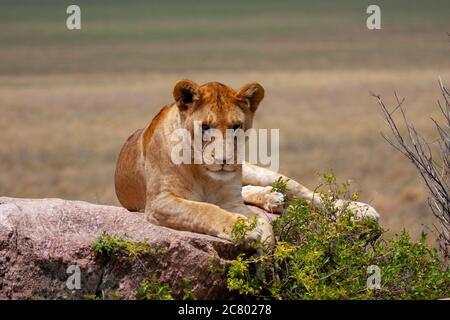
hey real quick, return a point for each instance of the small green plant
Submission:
(109, 245)
(324, 253)
(280, 185)
(151, 289)
(113, 246)
(112, 295)
(215, 266)
(188, 294)
(241, 228)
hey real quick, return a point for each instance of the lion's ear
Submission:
(253, 93)
(185, 93)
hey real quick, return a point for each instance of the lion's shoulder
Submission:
(158, 120)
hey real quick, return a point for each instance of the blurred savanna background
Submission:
(69, 99)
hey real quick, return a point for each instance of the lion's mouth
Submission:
(220, 168)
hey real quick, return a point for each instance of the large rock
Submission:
(41, 238)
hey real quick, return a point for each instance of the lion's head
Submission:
(213, 108)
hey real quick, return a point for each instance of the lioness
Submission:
(203, 198)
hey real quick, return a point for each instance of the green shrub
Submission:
(324, 253)
(109, 245)
(240, 230)
(151, 289)
(112, 295)
(280, 185)
(113, 246)
(188, 294)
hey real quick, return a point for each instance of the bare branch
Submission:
(434, 172)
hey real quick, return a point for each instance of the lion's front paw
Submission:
(274, 202)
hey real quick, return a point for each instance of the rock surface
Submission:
(41, 238)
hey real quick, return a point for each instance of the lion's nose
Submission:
(223, 158)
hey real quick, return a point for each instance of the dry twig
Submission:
(435, 172)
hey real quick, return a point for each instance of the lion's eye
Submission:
(205, 127)
(237, 126)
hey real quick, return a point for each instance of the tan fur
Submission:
(130, 184)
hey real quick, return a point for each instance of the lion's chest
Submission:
(217, 194)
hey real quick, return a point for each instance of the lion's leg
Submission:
(201, 217)
(257, 176)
